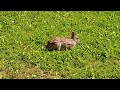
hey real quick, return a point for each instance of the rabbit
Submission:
(59, 43)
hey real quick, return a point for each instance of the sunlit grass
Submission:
(24, 34)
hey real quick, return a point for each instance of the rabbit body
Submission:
(59, 43)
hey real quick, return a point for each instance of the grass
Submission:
(24, 34)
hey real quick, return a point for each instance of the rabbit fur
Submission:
(59, 43)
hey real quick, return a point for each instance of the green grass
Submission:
(24, 34)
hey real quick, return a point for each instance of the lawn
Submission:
(24, 35)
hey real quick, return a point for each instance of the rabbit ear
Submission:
(73, 32)
(72, 35)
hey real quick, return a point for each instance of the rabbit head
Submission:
(75, 37)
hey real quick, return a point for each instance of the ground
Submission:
(24, 35)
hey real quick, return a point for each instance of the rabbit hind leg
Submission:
(58, 46)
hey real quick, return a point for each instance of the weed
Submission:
(24, 34)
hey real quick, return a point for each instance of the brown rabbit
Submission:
(59, 43)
